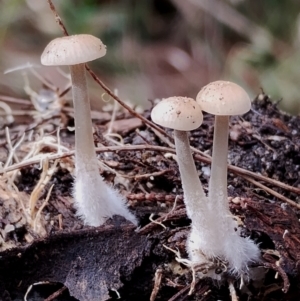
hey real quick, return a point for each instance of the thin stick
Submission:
(271, 191)
(37, 159)
(19, 101)
(124, 105)
(244, 172)
(180, 293)
(157, 282)
(153, 174)
(58, 18)
(38, 214)
(56, 294)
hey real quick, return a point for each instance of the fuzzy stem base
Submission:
(220, 239)
(95, 200)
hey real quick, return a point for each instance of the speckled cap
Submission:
(177, 113)
(72, 50)
(223, 98)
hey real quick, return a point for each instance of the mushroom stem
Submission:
(218, 179)
(95, 200)
(84, 143)
(194, 196)
(227, 243)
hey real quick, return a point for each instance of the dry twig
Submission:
(180, 293)
(273, 192)
(157, 282)
(56, 294)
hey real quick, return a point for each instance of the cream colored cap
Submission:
(178, 113)
(73, 50)
(223, 98)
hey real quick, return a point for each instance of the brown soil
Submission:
(62, 256)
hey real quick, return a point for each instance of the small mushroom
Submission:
(183, 114)
(95, 200)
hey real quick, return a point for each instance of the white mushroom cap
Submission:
(178, 113)
(73, 50)
(223, 98)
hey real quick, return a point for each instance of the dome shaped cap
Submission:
(223, 98)
(73, 50)
(178, 113)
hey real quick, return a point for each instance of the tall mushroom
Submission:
(95, 200)
(223, 98)
(183, 114)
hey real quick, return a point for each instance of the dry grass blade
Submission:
(44, 179)
(38, 214)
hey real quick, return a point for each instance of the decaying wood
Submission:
(88, 262)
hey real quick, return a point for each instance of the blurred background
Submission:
(162, 48)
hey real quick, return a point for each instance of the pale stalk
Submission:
(194, 195)
(95, 200)
(85, 154)
(218, 179)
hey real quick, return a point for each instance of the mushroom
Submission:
(223, 98)
(183, 114)
(94, 199)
